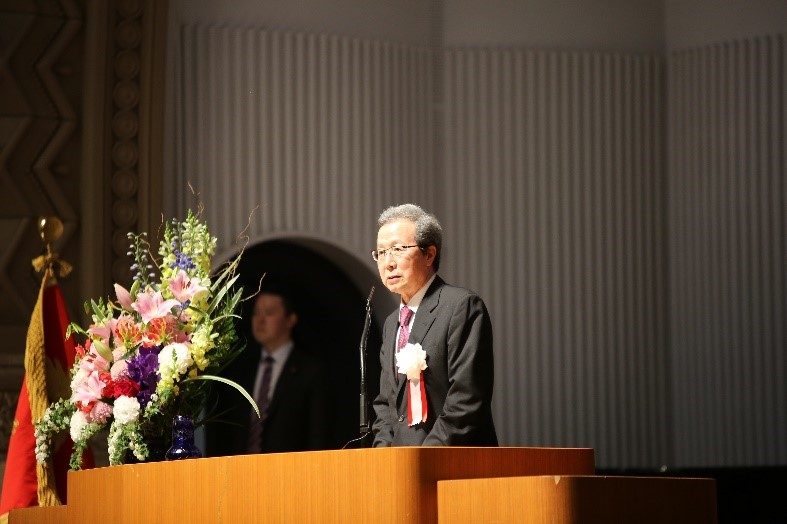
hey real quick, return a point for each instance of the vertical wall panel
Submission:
(550, 192)
(638, 304)
(320, 131)
(726, 228)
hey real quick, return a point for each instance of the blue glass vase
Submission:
(183, 446)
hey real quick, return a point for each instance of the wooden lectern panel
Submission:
(573, 499)
(389, 485)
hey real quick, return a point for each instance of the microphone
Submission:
(364, 403)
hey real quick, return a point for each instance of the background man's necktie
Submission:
(256, 425)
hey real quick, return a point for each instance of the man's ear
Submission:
(292, 320)
(431, 253)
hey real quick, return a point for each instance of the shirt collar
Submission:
(280, 355)
(415, 301)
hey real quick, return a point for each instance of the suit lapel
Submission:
(389, 340)
(287, 378)
(244, 368)
(427, 312)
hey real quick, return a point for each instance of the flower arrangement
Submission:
(148, 356)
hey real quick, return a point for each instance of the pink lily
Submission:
(103, 331)
(91, 389)
(151, 306)
(124, 297)
(185, 288)
(93, 361)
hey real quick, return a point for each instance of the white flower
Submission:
(79, 377)
(126, 409)
(411, 360)
(174, 360)
(112, 443)
(78, 423)
(42, 452)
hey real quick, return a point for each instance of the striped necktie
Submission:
(405, 314)
(257, 424)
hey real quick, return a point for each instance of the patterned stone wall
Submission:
(41, 72)
(81, 123)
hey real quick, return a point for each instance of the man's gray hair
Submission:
(428, 231)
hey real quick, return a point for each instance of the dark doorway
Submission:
(331, 311)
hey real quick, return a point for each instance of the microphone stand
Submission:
(364, 402)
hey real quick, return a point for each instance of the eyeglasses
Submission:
(396, 251)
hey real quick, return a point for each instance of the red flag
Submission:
(48, 358)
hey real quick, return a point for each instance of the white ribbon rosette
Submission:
(411, 361)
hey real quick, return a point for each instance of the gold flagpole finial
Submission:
(50, 228)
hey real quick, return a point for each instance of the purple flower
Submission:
(143, 369)
(182, 261)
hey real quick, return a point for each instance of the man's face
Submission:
(270, 323)
(408, 273)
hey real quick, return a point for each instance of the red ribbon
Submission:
(413, 395)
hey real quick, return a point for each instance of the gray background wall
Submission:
(610, 175)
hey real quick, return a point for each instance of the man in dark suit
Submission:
(287, 383)
(437, 368)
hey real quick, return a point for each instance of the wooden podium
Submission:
(567, 499)
(390, 485)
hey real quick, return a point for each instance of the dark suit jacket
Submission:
(453, 327)
(297, 417)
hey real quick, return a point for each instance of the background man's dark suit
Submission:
(297, 412)
(453, 327)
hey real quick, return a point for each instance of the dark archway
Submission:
(331, 312)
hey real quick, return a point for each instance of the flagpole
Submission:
(27, 483)
(50, 228)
